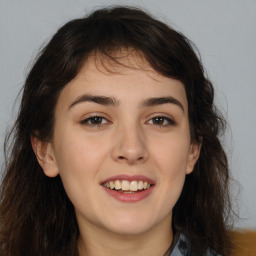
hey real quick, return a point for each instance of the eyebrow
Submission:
(110, 101)
(160, 101)
(102, 100)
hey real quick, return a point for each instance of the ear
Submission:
(194, 152)
(45, 156)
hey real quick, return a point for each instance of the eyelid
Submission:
(171, 121)
(90, 116)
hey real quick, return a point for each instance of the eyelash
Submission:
(164, 121)
(88, 121)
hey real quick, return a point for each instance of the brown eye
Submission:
(158, 120)
(94, 121)
(161, 121)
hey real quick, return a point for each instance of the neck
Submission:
(97, 241)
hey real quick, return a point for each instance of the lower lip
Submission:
(129, 197)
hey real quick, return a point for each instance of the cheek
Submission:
(171, 158)
(76, 152)
(171, 155)
(78, 161)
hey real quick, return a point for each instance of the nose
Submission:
(130, 146)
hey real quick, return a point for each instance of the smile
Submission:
(126, 186)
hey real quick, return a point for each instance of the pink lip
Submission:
(129, 178)
(129, 197)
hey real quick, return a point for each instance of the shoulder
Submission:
(183, 248)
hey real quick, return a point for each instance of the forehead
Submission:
(124, 73)
(121, 64)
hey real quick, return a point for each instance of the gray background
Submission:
(223, 30)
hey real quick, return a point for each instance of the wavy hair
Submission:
(36, 216)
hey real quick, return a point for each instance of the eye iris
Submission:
(96, 120)
(158, 120)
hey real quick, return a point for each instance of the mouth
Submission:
(125, 186)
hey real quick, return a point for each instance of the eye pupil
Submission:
(96, 120)
(158, 120)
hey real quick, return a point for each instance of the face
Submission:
(122, 147)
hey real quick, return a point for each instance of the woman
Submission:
(115, 150)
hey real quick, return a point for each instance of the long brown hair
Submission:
(36, 216)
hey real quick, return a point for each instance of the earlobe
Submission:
(193, 156)
(45, 156)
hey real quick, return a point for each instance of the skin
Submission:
(130, 140)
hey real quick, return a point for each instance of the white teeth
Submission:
(127, 186)
(134, 185)
(111, 184)
(118, 184)
(106, 185)
(140, 185)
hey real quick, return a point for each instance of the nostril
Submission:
(123, 157)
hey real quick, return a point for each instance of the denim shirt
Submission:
(183, 248)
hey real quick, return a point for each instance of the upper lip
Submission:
(129, 178)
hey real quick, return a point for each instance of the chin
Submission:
(130, 225)
(129, 230)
